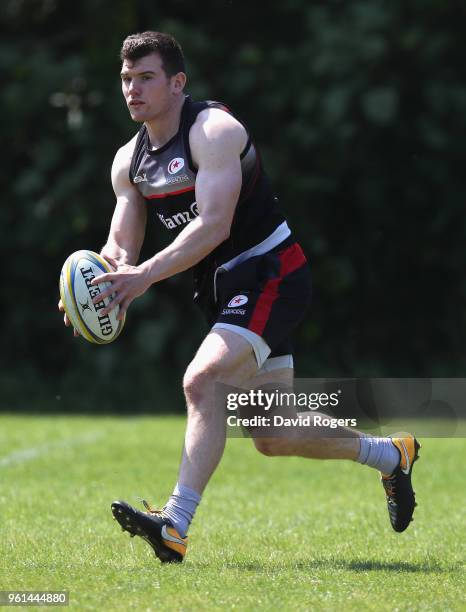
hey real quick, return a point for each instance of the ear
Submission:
(178, 81)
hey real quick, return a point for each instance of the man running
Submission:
(194, 167)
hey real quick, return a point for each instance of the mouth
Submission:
(134, 103)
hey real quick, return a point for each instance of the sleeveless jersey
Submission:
(166, 179)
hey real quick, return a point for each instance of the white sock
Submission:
(379, 453)
(181, 507)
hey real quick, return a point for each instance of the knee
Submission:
(198, 384)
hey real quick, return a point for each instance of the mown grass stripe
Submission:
(33, 452)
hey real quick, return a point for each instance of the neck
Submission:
(166, 124)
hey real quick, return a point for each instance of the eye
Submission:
(146, 78)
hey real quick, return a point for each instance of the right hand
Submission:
(66, 321)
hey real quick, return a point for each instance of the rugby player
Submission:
(194, 167)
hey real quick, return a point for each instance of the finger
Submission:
(123, 309)
(104, 278)
(66, 321)
(111, 261)
(112, 304)
(110, 291)
(60, 306)
(75, 332)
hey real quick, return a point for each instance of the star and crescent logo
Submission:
(176, 164)
(238, 300)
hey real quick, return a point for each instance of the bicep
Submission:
(129, 220)
(218, 186)
(128, 223)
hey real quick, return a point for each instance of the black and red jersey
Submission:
(166, 178)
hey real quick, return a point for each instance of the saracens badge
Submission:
(238, 300)
(176, 164)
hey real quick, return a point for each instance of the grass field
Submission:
(270, 534)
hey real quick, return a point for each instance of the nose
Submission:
(133, 87)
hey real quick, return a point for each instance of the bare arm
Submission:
(128, 224)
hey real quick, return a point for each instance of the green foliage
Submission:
(359, 110)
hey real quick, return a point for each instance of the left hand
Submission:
(127, 282)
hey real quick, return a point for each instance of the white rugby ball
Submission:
(77, 293)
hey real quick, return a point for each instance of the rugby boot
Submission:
(398, 488)
(153, 527)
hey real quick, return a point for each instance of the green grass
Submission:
(270, 534)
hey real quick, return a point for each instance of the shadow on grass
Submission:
(398, 566)
(355, 565)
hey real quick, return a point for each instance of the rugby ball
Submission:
(77, 293)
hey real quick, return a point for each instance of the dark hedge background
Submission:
(359, 109)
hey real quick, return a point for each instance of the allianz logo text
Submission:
(181, 218)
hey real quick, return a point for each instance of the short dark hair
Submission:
(139, 45)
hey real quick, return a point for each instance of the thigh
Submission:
(227, 356)
(269, 381)
(280, 377)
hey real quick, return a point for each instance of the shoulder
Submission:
(124, 154)
(122, 162)
(123, 157)
(216, 130)
(214, 122)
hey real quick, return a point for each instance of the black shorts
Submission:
(265, 296)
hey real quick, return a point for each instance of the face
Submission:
(147, 89)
